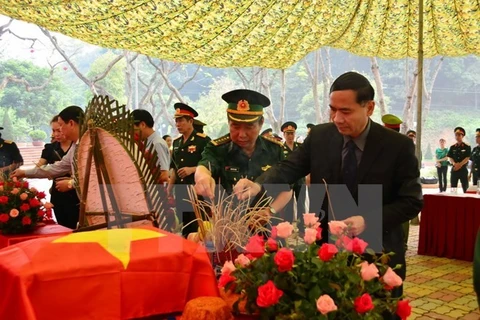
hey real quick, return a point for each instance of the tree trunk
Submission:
(428, 92)
(379, 85)
(409, 103)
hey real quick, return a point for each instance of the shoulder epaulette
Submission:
(222, 140)
(203, 135)
(273, 140)
(8, 141)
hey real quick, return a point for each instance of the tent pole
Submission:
(418, 147)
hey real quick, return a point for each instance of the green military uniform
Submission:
(188, 153)
(9, 154)
(475, 157)
(458, 152)
(228, 163)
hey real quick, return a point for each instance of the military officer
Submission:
(392, 122)
(459, 154)
(289, 128)
(10, 157)
(267, 132)
(187, 152)
(241, 153)
(198, 125)
(475, 158)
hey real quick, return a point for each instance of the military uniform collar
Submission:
(192, 134)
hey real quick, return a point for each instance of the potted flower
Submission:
(21, 207)
(308, 281)
(38, 136)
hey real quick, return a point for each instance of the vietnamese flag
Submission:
(103, 274)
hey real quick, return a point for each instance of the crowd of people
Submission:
(350, 150)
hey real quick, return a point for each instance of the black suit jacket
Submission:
(388, 159)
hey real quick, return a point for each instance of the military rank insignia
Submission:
(192, 149)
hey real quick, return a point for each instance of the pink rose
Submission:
(310, 235)
(242, 260)
(48, 205)
(327, 251)
(15, 191)
(310, 220)
(325, 304)
(255, 246)
(284, 230)
(391, 278)
(33, 190)
(1, 188)
(14, 213)
(357, 246)
(337, 228)
(228, 267)
(23, 196)
(284, 259)
(272, 245)
(368, 271)
(273, 234)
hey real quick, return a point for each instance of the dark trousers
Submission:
(461, 175)
(184, 210)
(66, 207)
(442, 178)
(475, 178)
(299, 194)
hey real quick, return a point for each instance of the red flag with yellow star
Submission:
(103, 274)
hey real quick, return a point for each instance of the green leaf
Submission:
(371, 251)
(314, 293)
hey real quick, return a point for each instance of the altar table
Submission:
(103, 274)
(449, 224)
(44, 230)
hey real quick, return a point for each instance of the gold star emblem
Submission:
(116, 241)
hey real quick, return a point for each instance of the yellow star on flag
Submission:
(116, 241)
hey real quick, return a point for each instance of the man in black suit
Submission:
(353, 150)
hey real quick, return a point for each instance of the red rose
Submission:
(268, 295)
(3, 200)
(48, 213)
(327, 251)
(34, 203)
(18, 184)
(41, 195)
(319, 233)
(403, 309)
(364, 303)
(255, 246)
(225, 279)
(4, 217)
(357, 246)
(272, 245)
(25, 184)
(284, 259)
(40, 213)
(26, 221)
(24, 207)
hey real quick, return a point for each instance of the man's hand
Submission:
(18, 173)
(356, 225)
(185, 172)
(63, 185)
(457, 166)
(245, 189)
(205, 186)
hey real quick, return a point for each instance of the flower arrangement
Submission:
(21, 207)
(308, 281)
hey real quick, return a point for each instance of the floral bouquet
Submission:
(21, 207)
(308, 281)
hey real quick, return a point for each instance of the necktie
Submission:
(350, 167)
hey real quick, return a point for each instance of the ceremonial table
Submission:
(104, 274)
(449, 225)
(43, 230)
